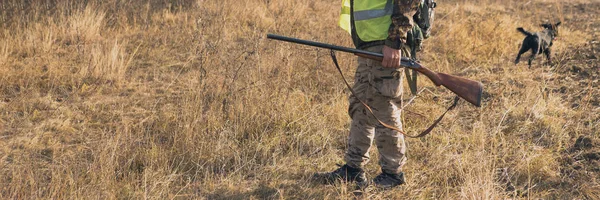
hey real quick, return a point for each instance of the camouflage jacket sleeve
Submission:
(402, 22)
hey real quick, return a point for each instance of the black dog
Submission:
(538, 42)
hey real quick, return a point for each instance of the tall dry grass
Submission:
(187, 99)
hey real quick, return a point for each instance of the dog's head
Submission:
(552, 28)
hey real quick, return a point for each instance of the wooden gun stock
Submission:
(467, 89)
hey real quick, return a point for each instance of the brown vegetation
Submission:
(188, 99)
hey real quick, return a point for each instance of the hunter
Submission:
(379, 26)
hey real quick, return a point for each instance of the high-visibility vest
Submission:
(372, 18)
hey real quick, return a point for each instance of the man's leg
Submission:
(391, 147)
(392, 156)
(390, 143)
(361, 132)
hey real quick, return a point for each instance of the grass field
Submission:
(166, 99)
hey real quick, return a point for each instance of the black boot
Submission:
(386, 180)
(344, 173)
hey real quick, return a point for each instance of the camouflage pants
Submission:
(381, 89)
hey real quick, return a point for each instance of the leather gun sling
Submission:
(424, 133)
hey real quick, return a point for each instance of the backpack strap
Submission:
(411, 79)
(410, 48)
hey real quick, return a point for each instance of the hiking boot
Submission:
(344, 173)
(387, 181)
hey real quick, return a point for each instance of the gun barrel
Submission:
(322, 45)
(405, 61)
(467, 89)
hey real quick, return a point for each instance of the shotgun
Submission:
(467, 89)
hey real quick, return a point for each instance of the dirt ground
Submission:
(576, 76)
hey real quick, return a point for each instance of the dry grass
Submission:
(187, 99)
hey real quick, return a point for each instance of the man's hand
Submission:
(391, 57)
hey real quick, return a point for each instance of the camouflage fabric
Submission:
(424, 21)
(402, 22)
(425, 16)
(381, 89)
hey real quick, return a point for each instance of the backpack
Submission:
(424, 21)
(424, 16)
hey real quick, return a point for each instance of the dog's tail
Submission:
(520, 29)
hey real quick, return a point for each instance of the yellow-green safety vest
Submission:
(372, 18)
